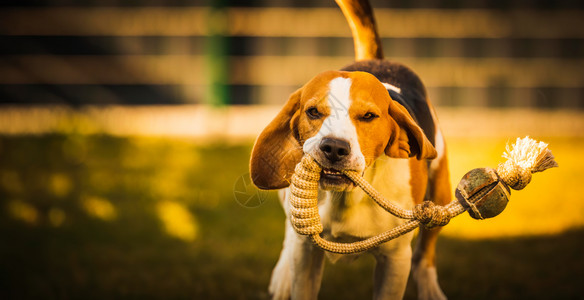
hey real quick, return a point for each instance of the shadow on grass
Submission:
(539, 267)
(57, 244)
(101, 261)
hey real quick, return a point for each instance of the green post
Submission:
(216, 54)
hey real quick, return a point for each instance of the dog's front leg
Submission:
(298, 273)
(391, 272)
(307, 267)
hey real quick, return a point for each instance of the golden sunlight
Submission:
(60, 184)
(100, 208)
(177, 220)
(23, 211)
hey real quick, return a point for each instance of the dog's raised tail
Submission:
(360, 17)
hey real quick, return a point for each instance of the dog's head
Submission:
(344, 120)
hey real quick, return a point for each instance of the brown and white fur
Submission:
(348, 120)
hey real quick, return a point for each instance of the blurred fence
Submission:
(238, 123)
(511, 56)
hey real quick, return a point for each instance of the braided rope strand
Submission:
(375, 195)
(304, 214)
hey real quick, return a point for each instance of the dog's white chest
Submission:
(353, 215)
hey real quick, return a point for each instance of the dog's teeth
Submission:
(331, 172)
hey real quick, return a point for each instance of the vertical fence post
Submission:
(216, 54)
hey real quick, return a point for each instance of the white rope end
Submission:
(530, 154)
(525, 157)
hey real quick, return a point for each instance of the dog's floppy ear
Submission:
(407, 138)
(277, 151)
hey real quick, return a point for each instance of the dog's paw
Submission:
(426, 279)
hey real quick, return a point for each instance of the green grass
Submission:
(80, 218)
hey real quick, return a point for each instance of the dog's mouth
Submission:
(334, 179)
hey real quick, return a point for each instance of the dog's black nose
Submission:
(334, 149)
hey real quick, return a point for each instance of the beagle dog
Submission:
(372, 117)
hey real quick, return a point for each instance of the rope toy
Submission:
(483, 192)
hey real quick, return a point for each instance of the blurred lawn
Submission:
(98, 217)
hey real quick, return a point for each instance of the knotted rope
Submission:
(525, 157)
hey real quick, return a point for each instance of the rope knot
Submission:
(515, 176)
(431, 215)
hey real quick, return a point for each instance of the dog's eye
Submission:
(369, 116)
(313, 113)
